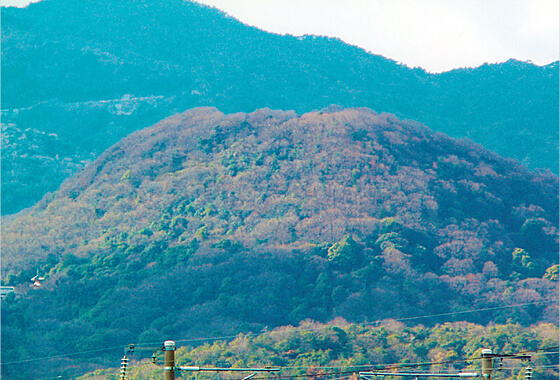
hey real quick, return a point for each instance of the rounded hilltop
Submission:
(269, 218)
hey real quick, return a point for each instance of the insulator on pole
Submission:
(124, 364)
(528, 373)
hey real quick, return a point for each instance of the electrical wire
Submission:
(138, 364)
(158, 344)
(383, 367)
(547, 353)
(464, 312)
(407, 365)
(59, 376)
(253, 335)
(62, 355)
(540, 349)
(347, 371)
(535, 367)
(412, 365)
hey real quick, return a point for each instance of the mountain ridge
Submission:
(162, 151)
(61, 60)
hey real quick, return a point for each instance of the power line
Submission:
(158, 344)
(540, 349)
(348, 372)
(464, 312)
(63, 355)
(547, 353)
(338, 373)
(60, 376)
(345, 370)
(253, 335)
(408, 365)
(139, 364)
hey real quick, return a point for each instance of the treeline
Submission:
(342, 350)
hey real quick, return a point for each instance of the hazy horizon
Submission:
(435, 35)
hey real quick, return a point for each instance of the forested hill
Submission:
(78, 76)
(211, 224)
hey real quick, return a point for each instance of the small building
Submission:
(5, 290)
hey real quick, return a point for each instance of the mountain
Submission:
(78, 77)
(208, 224)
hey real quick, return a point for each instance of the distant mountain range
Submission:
(208, 224)
(79, 76)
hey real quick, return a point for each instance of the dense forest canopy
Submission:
(79, 76)
(208, 224)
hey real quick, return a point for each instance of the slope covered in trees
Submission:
(87, 74)
(208, 224)
(342, 350)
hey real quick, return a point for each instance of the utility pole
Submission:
(169, 367)
(169, 360)
(487, 368)
(487, 363)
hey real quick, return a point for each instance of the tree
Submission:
(552, 273)
(523, 263)
(346, 253)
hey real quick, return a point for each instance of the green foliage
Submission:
(552, 273)
(523, 263)
(177, 254)
(390, 240)
(146, 231)
(345, 254)
(534, 238)
(229, 246)
(126, 175)
(390, 225)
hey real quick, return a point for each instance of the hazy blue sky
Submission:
(437, 35)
